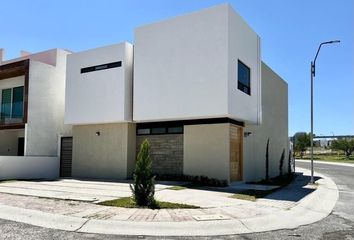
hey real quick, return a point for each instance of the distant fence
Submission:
(28, 167)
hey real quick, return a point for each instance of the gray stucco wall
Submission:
(166, 152)
(274, 126)
(9, 142)
(207, 150)
(104, 156)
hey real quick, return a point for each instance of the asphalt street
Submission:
(338, 225)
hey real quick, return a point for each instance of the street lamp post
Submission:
(313, 70)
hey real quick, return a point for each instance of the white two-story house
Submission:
(194, 86)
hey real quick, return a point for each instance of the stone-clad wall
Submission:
(166, 152)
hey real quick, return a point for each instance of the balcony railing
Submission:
(10, 121)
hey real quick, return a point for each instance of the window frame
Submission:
(240, 85)
(165, 132)
(11, 114)
(101, 67)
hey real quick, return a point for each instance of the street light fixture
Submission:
(313, 72)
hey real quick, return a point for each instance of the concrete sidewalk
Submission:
(290, 207)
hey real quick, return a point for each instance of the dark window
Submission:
(175, 130)
(101, 67)
(143, 131)
(159, 128)
(243, 78)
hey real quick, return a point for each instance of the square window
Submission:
(243, 78)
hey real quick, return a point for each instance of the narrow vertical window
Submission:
(6, 103)
(17, 102)
(243, 78)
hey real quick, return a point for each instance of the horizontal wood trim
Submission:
(15, 69)
(12, 126)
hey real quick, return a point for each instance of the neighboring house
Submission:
(31, 114)
(194, 86)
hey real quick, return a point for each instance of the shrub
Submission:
(267, 161)
(143, 188)
(281, 163)
(197, 180)
(289, 163)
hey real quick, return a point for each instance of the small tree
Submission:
(302, 142)
(143, 187)
(281, 163)
(267, 161)
(346, 145)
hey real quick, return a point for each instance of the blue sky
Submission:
(290, 31)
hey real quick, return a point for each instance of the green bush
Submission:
(197, 180)
(143, 187)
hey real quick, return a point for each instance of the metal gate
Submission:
(66, 156)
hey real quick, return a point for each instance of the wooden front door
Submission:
(236, 153)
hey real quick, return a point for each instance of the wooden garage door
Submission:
(66, 156)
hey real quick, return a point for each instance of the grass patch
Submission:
(177, 188)
(185, 186)
(128, 202)
(252, 195)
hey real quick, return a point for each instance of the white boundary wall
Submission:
(19, 167)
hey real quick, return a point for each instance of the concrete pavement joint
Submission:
(77, 230)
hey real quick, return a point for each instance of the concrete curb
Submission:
(328, 163)
(309, 209)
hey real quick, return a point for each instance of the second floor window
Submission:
(11, 103)
(243, 78)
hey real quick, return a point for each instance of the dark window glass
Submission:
(143, 131)
(6, 103)
(175, 130)
(17, 102)
(158, 130)
(101, 67)
(243, 78)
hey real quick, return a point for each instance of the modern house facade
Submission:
(194, 86)
(31, 114)
(99, 93)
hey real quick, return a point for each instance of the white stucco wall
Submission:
(46, 98)
(182, 67)
(15, 167)
(243, 45)
(103, 96)
(274, 126)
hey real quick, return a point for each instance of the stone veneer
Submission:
(166, 152)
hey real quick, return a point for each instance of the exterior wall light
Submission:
(98, 133)
(247, 134)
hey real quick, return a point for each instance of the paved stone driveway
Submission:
(77, 198)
